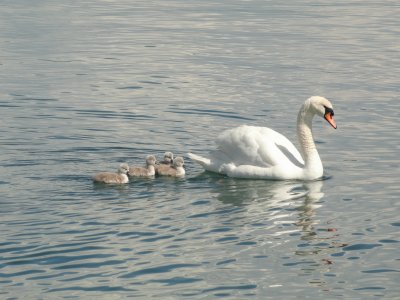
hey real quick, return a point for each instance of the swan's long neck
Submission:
(313, 165)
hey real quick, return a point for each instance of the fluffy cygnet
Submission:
(110, 177)
(166, 164)
(147, 171)
(168, 158)
(176, 170)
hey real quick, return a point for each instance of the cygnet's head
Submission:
(151, 160)
(323, 108)
(179, 162)
(123, 168)
(168, 157)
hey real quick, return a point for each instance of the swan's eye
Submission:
(329, 111)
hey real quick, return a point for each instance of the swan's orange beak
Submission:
(329, 117)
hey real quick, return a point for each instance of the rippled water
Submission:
(86, 85)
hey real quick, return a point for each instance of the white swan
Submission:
(260, 152)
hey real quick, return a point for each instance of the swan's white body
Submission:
(260, 152)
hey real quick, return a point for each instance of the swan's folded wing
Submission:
(297, 160)
(288, 149)
(244, 145)
(249, 146)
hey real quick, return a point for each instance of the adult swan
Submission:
(260, 152)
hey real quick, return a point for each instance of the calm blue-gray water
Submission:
(86, 85)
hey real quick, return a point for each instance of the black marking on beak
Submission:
(328, 116)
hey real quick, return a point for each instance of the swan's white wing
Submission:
(291, 155)
(253, 152)
(257, 146)
(244, 145)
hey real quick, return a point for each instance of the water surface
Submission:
(88, 85)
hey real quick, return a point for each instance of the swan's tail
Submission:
(205, 162)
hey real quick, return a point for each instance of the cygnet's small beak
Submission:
(329, 117)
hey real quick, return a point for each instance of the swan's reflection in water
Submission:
(280, 218)
(264, 226)
(307, 210)
(243, 191)
(276, 204)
